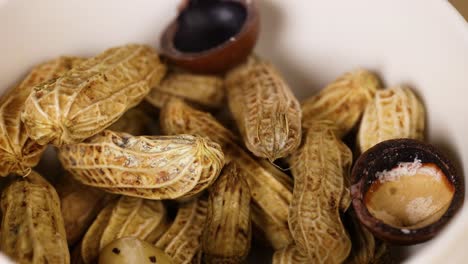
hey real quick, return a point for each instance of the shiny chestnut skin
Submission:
(385, 156)
(211, 36)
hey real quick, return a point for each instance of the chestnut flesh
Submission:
(414, 183)
(211, 36)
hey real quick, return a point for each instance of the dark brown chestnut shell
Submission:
(221, 57)
(385, 156)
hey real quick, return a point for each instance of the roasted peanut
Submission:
(182, 241)
(91, 96)
(319, 168)
(270, 192)
(32, 226)
(151, 167)
(343, 101)
(134, 122)
(394, 113)
(265, 109)
(18, 152)
(80, 204)
(290, 255)
(203, 90)
(227, 234)
(131, 250)
(127, 216)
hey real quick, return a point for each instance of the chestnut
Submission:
(405, 191)
(211, 36)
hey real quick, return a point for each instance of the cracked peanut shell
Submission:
(271, 189)
(127, 216)
(319, 168)
(182, 241)
(91, 96)
(18, 152)
(151, 167)
(394, 113)
(265, 109)
(227, 233)
(343, 101)
(32, 225)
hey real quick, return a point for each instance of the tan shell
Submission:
(19, 153)
(91, 96)
(394, 113)
(151, 167)
(32, 226)
(128, 216)
(343, 101)
(203, 90)
(275, 232)
(290, 255)
(319, 168)
(182, 241)
(268, 186)
(227, 234)
(80, 204)
(265, 109)
(363, 242)
(134, 122)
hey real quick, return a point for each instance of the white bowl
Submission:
(423, 43)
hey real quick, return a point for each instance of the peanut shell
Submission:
(32, 225)
(394, 113)
(182, 241)
(127, 216)
(265, 109)
(79, 204)
(319, 168)
(18, 152)
(227, 233)
(343, 101)
(151, 167)
(203, 90)
(91, 96)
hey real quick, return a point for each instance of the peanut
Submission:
(151, 167)
(394, 113)
(265, 109)
(79, 204)
(182, 241)
(290, 255)
(19, 153)
(203, 90)
(127, 216)
(343, 101)
(32, 226)
(227, 234)
(319, 168)
(92, 95)
(270, 192)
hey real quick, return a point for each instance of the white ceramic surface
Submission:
(423, 43)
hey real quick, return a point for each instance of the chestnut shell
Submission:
(385, 156)
(222, 56)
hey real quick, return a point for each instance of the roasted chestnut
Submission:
(404, 191)
(211, 36)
